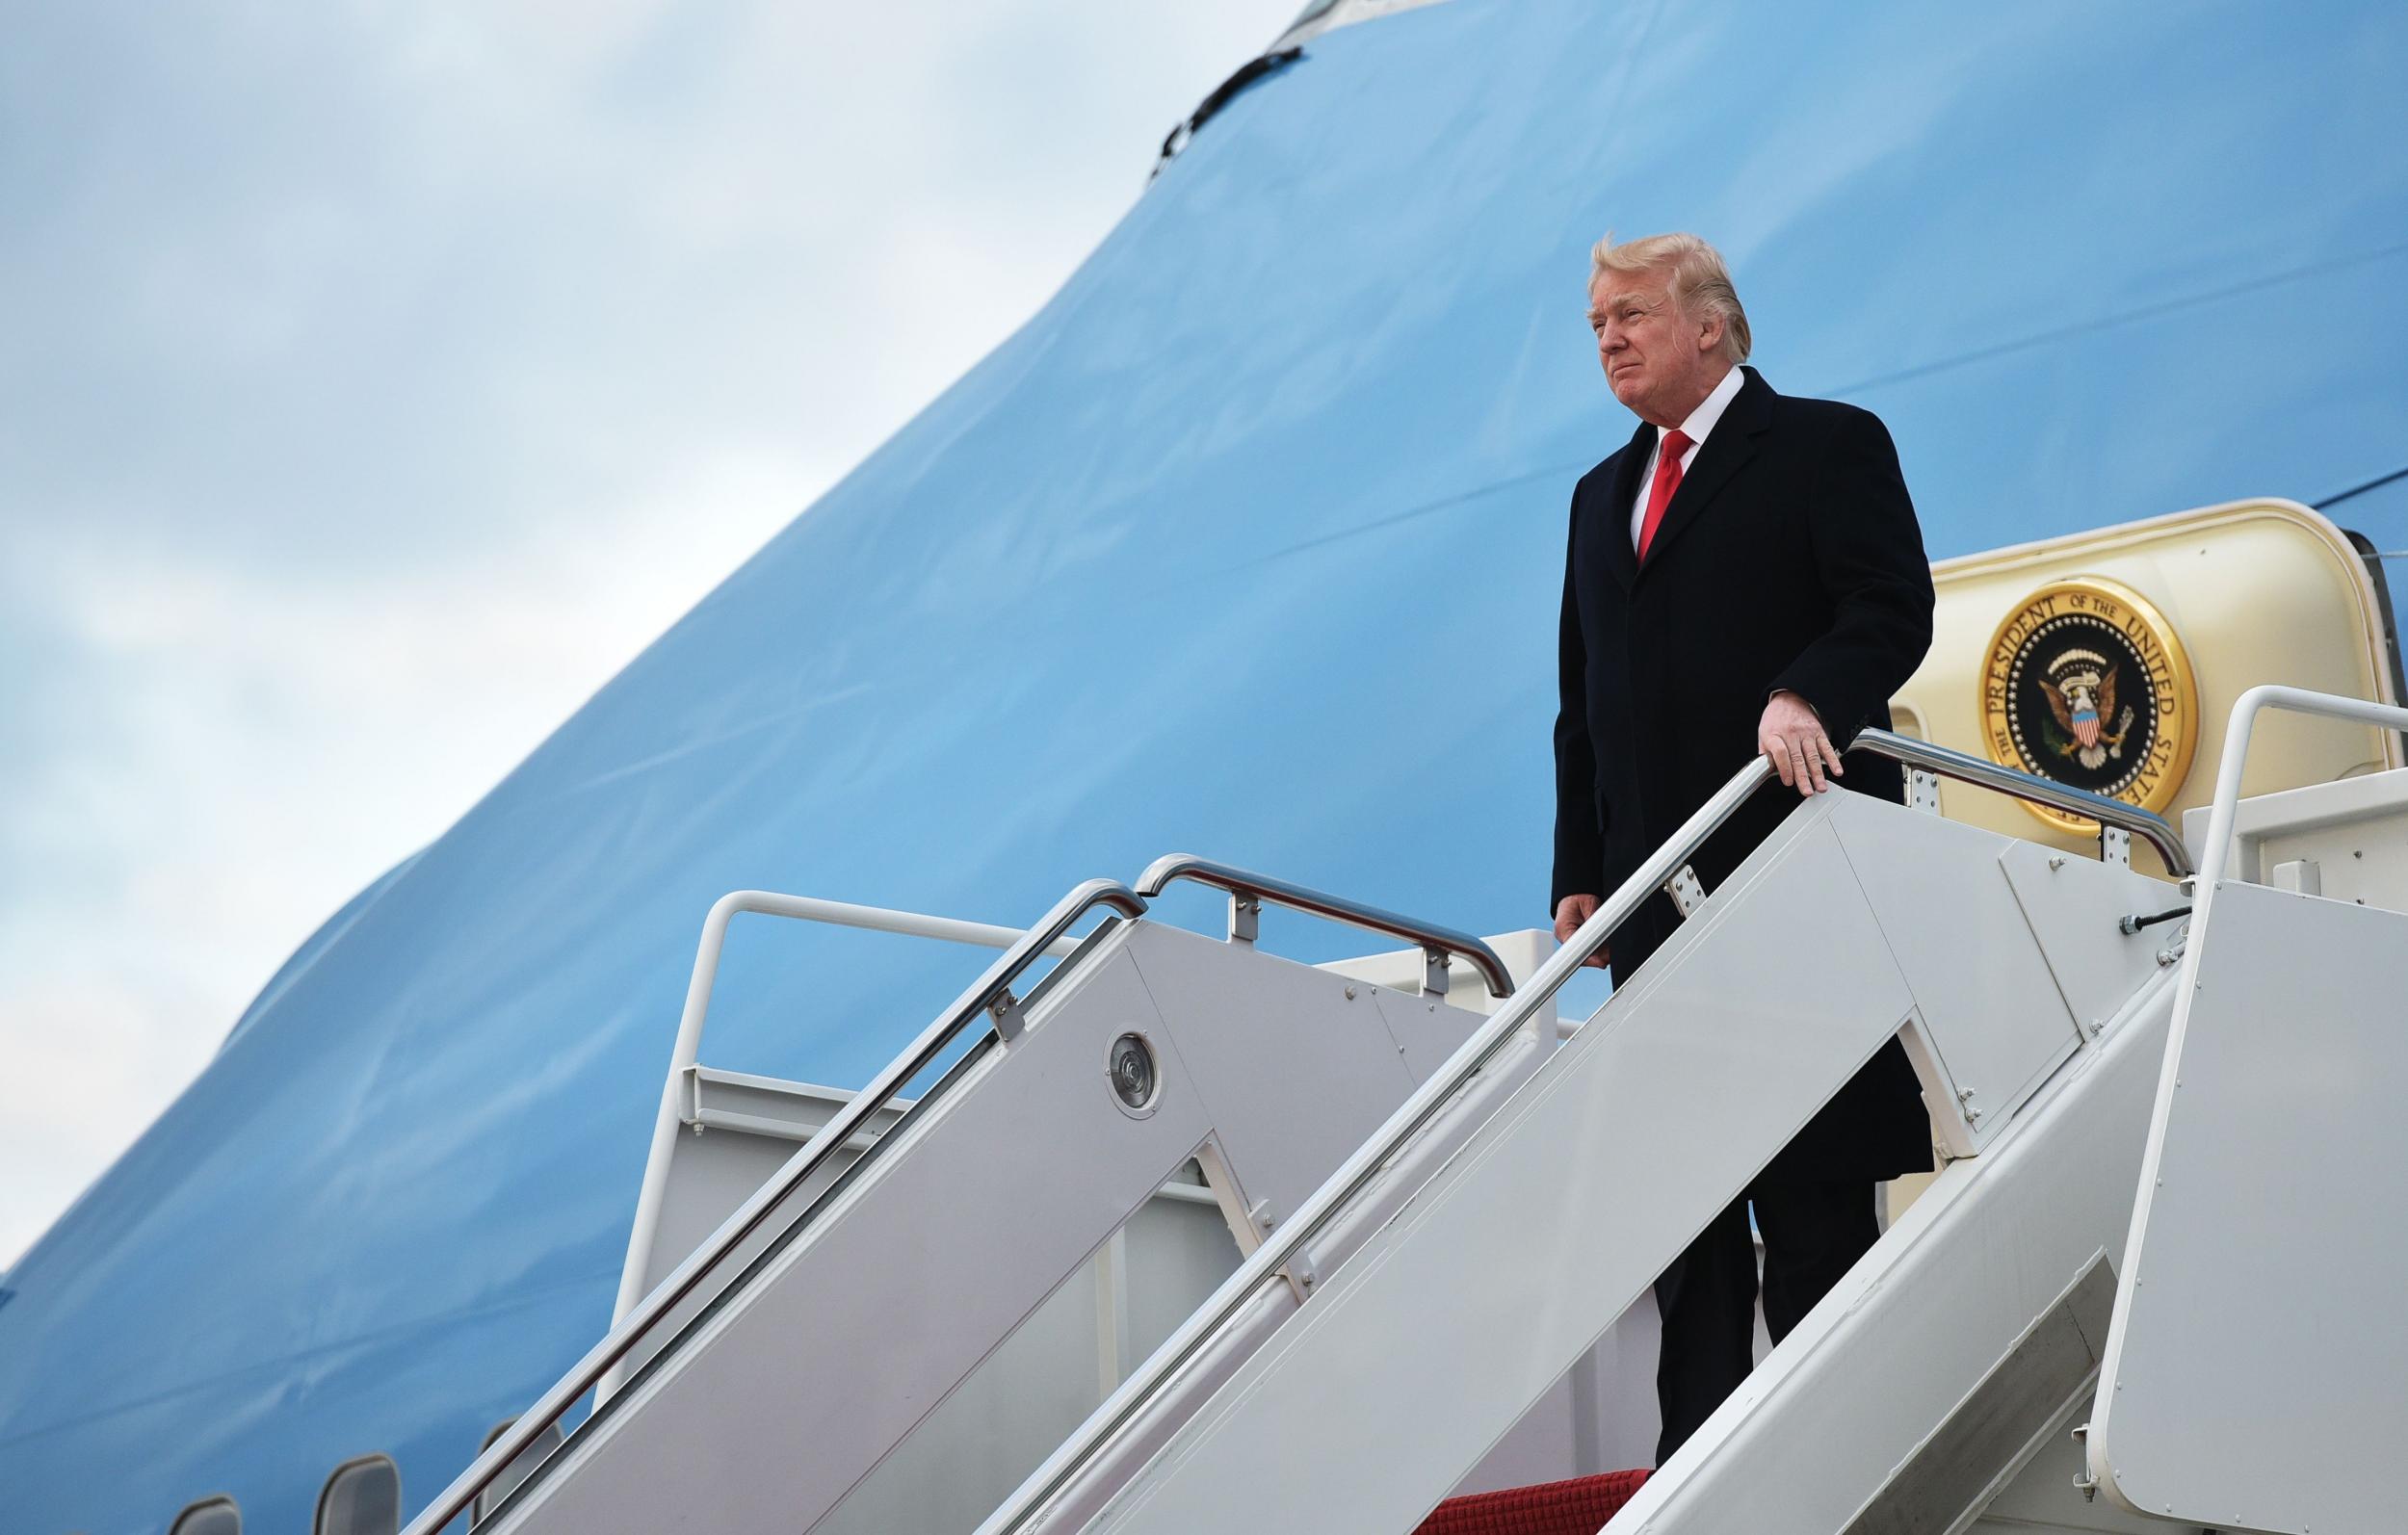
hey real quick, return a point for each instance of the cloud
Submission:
(381, 378)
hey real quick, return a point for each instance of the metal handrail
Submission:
(1282, 1247)
(690, 1023)
(990, 995)
(1981, 771)
(1242, 885)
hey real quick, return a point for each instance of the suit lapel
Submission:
(1728, 448)
(1615, 529)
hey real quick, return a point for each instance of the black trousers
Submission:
(1813, 1233)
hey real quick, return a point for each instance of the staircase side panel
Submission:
(1890, 1357)
(2257, 1366)
(773, 1410)
(1429, 1343)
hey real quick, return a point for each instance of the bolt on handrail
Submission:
(982, 998)
(1244, 885)
(654, 1189)
(1965, 768)
(1281, 1248)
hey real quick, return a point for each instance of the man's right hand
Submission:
(1570, 912)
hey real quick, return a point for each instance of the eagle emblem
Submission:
(2087, 683)
(2079, 685)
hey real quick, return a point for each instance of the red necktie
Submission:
(1676, 442)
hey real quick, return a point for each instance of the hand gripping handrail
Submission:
(1280, 1248)
(1248, 890)
(988, 997)
(1965, 768)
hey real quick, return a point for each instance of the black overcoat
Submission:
(1788, 558)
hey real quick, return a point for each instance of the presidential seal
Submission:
(2086, 683)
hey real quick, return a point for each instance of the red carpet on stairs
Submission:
(1580, 1506)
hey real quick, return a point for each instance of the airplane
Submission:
(1250, 543)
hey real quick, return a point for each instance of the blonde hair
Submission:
(1701, 284)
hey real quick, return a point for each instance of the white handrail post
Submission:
(706, 968)
(2225, 808)
(689, 1046)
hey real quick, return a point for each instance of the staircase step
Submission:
(1578, 1506)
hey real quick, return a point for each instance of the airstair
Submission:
(1440, 1216)
(920, 1256)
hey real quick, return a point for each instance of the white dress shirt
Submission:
(1700, 422)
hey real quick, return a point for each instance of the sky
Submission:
(377, 378)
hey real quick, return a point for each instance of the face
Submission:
(1658, 361)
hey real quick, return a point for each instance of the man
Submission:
(1745, 575)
